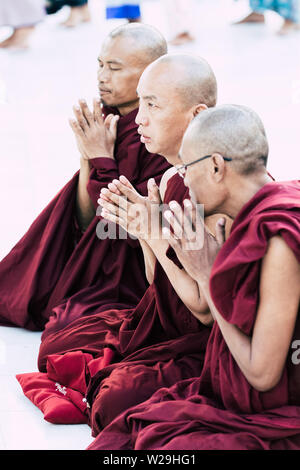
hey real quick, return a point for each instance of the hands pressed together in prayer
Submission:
(195, 247)
(95, 136)
(138, 215)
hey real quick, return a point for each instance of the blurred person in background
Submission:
(79, 11)
(129, 10)
(22, 16)
(179, 15)
(287, 9)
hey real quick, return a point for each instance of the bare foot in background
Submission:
(252, 18)
(134, 20)
(182, 38)
(19, 38)
(288, 27)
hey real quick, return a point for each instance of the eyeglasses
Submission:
(182, 169)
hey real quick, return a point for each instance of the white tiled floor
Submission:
(38, 155)
(22, 426)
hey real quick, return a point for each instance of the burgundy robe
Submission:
(220, 409)
(56, 270)
(119, 358)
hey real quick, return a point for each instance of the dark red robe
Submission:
(119, 358)
(56, 270)
(220, 409)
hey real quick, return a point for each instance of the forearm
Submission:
(239, 344)
(85, 210)
(150, 260)
(185, 287)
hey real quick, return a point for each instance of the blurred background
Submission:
(254, 65)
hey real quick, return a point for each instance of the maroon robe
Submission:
(122, 356)
(220, 409)
(56, 270)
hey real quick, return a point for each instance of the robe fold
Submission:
(155, 344)
(220, 409)
(56, 271)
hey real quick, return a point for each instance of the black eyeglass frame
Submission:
(197, 161)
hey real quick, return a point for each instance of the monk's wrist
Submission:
(203, 284)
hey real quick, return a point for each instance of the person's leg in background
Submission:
(180, 19)
(287, 9)
(258, 9)
(22, 16)
(79, 13)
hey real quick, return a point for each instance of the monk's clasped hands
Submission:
(195, 247)
(123, 205)
(95, 136)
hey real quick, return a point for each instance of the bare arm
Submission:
(149, 259)
(84, 207)
(149, 256)
(261, 357)
(186, 288)
(95, 138)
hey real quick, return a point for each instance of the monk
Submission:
(118, 358)
(64, 267)
(247, 396)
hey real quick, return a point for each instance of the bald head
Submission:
(146, 41)
(191, 77)
(124, 55)
(172, 91)
(233, 131)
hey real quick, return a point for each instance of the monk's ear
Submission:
(199, 108)
(218, 167)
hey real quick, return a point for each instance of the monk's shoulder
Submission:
(164, 181)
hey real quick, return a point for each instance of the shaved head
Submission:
(173, 90)
(233, 131)
(124, 55)
(190, 76)
(147, 42)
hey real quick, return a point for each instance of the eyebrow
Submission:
(118, 62)
(149, 97)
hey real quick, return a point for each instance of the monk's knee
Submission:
(118, 392)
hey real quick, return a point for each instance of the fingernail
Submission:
(187, 203)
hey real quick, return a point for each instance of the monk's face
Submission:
(162, 116)
(200, 178)
(119, 71)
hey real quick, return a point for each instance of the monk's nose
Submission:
(103, 76)
(141, 119)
